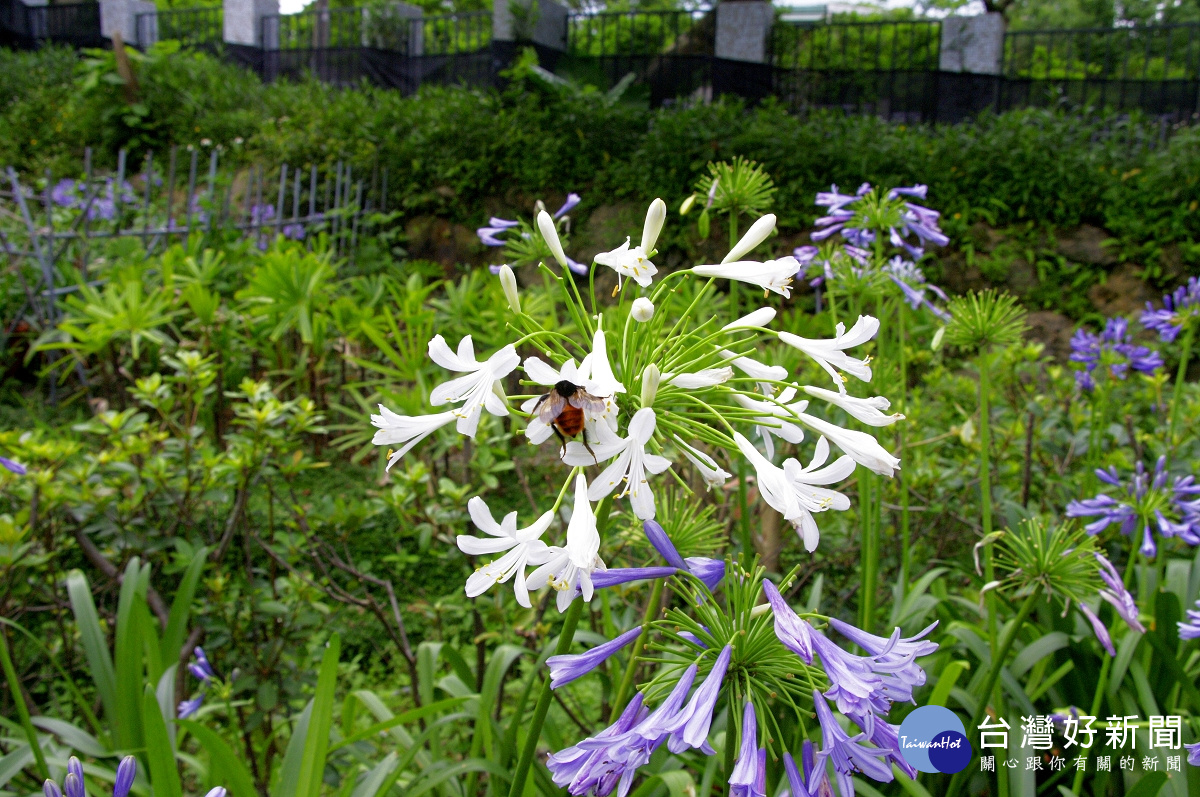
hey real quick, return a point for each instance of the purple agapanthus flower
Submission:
(1193, 751)
(792, 631)
(1148, 502)
(910, 279)
(200, 667)
(261, 214)
(66, 193)
(690, 728)
(1100, 630)
(748, 778)
(189, 707)
(916, 220)
(1191, 629)
(14, 467)
(1115, 348)
(1179, 305)
(577, 267)
(295, 232)
(1117, 595)
(853, 684)
(487, 236)
(885, 736)
(564, 669)
(73, 785)
(848, 753)
(797, 781)
(588, 766)
(573, 199)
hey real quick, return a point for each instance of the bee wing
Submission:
(586, 401)
(550, 406)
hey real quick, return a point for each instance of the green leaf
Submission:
(316, 742)
(1148, 785)
(181, 607)
(910, 786)
(399, 719)
(95, 645)
(438, 777)
(678, 782)
(293, 758)
(128, 650)
(77, 739)
(377, 778)
(225, 767)
(14, 762)
(946, 681)
(1035, 651)
(160, 757)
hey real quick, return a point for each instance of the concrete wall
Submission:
(243, 21)
(542, 22)
(121, 16)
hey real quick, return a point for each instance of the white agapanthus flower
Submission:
(406, 430)
(630, 467)
(862, 447)
(792, 491)
(759, 318)
(633, 263)
(765, 374)
(569, 569)
(773, 421)
(712, 473)
(708, 377)
(774, 275)
(480, 389)
(524, 546)
(831, 354)
(868, 410)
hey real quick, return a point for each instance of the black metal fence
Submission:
(76, 24)
(201, 27)
(1151, 68)
(885, 68)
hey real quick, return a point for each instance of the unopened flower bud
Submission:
(508, 282)
(550, 234)
(757, 233)
(650, 378)
(687, 205)
(655, 216)
(643, 309)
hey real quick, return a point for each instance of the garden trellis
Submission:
(49, 222)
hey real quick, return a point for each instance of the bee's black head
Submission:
(566, 389)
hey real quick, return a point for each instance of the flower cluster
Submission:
(1191, 629)
(1120, 598)
(524, 245)
(74, 195)
(870, 222)
(649, 388)
(202, 671)
(788, 655)
(1179, 308)
(1148, 503)
(1113, 348)
(73, 785)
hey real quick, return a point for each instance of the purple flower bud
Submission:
(1191, 629)
(75, 768)
(662, 543)
(50, 789)
(15, 467)
(1099, 629)
(126, 772)
(623, 575)
(796, 783)
(710, 571)
(564, 669)
(577, 267)
(793, 632)
(745, 776)
(218, 791)
(1117, 595)
(1193, 753)
(73, 785)
(487, 236)
(189, 707)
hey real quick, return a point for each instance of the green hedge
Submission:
(450, 151)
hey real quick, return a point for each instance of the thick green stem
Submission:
(904, 527)
(14, 687)
(521, 774)
(993, 677)
(734, 289)
(870, 554)
(639, 644)
(1180, 376)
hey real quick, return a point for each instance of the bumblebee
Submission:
(562, 409)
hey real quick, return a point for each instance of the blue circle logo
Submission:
(933, 739)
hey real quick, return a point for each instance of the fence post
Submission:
(540, 22)
(741, 48)
(972, 44)
(243, 22)
(416, 28)
(121, 16)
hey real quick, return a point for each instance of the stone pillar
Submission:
(416, 30)
(972, 44)
(743, 30)
(244, 23)
(121, 16)
(542, 22)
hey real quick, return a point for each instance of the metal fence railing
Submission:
(857, 46)
(339, 28)
(629, 33)
(77, 24)
(454, 34)
(191, 27)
